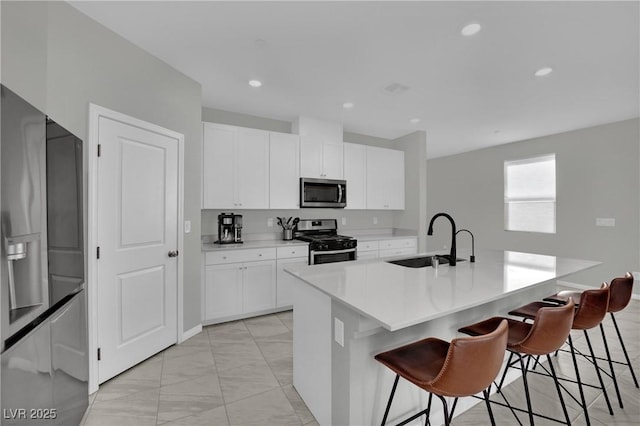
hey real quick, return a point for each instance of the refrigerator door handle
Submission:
(12, 286)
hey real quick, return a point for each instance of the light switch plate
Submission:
(605, 221)
(375, 220)
(338, 330)
(344, 220)
(270, 222)
(187, 226)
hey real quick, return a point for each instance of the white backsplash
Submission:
(255, 221)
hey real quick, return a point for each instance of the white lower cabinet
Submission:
(223, 290)
(398, 247)
(367, 249)
(288, 256)
(286, 280)
(259, 286)
(234, 289)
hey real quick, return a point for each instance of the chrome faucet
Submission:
(452, 254)
(473, 245)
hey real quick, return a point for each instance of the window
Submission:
(530, 194)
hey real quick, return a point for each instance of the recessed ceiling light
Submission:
(348, 105)
(414, 120)
(255, 83)
(471, 29)
(543, 71)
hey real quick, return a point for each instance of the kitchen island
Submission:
(347, 312)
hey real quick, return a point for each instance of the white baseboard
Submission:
(634, 296)
(186, 335)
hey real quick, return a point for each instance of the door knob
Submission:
(173, 253)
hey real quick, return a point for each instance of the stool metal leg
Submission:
(595, 364)
(555, 380)
(445, 409)
(526, 389)
(485, 393)
(575, 365)
(393, 391)
(506, 368)
(624, 349)
(613, 373)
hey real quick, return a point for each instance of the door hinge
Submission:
(99, 355)
(98, 252)
(99, 150)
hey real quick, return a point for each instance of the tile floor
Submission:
(240, 373)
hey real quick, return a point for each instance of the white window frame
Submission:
(533, 199)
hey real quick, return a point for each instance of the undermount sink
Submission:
(422, 261)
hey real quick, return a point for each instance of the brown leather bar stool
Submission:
(464, 367)
(548, 332)
(590, 312)
(620, 292)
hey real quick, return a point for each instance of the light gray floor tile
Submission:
(126, 406)
(236, 354)
(205, 385)
(247, 380)
(266, 326)
(102, 419)
(175, 407)
(268, 408)
(228, 332)
(215, 417)
(298, 404)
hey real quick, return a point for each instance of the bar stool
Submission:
(464, 367)
(548, 332)
(590, 312)
(620, 292)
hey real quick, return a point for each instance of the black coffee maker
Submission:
(229, 228)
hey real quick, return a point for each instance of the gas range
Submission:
(329, 242)
(325, 245)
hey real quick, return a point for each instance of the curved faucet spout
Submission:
(473, 244)
(452, 254)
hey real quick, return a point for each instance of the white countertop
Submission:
(397, 297)
(252, 245)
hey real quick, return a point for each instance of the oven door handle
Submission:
(313, 252)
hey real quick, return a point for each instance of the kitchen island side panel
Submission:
(360, 385)
(312, 338)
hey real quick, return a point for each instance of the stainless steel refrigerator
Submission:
(44, 359)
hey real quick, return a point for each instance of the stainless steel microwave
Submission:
(325, 193)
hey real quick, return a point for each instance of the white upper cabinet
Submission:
(284, 171)
(235, 167)
(355, 173)
(320, 158)
(320, 148)
(385, 179)
(217, 166)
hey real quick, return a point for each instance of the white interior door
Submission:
(137, 233)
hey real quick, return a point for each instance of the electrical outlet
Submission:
(375, 220)
(344, 220)
(270, 222)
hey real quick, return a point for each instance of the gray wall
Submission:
(596, 177)
(61, 60)
(414, 216)
(245, 120)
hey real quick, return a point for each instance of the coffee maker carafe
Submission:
(229, 228)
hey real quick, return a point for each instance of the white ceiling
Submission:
(469, 92)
